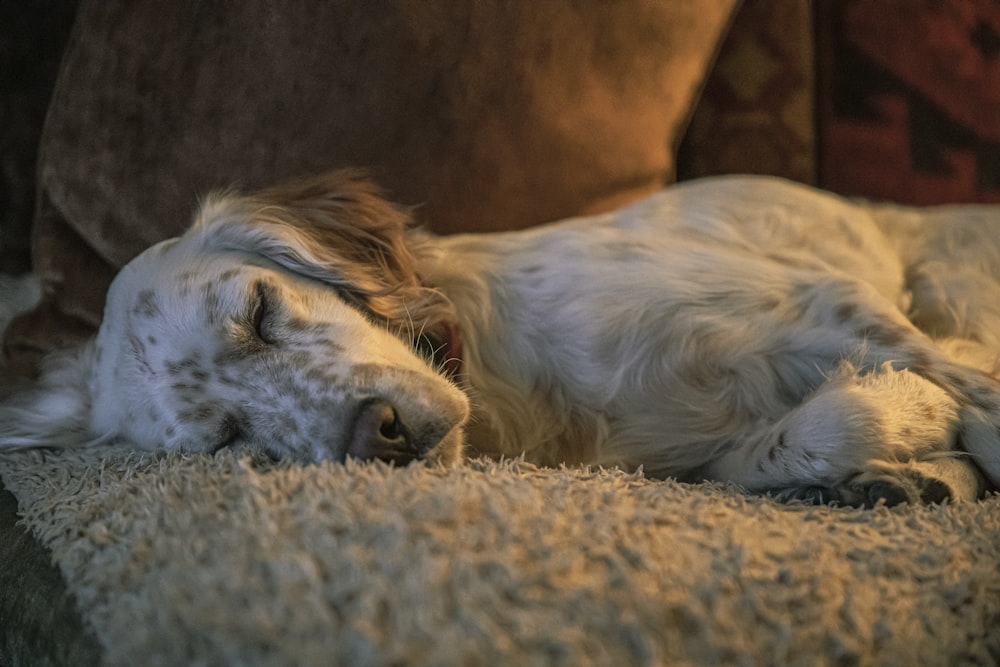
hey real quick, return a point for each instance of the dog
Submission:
(742, 329)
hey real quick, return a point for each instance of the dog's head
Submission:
(285, 320)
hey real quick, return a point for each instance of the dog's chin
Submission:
(449, 451)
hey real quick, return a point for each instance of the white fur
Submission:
(740, 328)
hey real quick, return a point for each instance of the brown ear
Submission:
(336, 228)
(346, 214)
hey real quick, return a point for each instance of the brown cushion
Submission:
(493, 115)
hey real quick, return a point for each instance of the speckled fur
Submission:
(742, 329)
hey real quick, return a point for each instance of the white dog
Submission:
(740, 328)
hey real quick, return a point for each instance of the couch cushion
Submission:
(491, 115)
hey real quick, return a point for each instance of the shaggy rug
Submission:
(225, 559)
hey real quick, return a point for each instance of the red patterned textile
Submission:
(909, 99)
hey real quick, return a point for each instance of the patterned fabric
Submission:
(910, 99)
(757, 111)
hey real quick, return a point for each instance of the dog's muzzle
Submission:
(382, 431)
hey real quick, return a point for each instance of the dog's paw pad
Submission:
(911, 488)
(935, 491)
(886, 491)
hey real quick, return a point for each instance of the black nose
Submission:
(378, 432)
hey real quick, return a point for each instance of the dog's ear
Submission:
(336, 228)
(56, 411)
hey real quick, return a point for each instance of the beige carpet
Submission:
(199, 560)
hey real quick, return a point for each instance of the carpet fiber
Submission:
(225, 560)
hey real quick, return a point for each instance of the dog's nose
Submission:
(379, 432)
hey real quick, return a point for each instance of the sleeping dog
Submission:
(740, 328)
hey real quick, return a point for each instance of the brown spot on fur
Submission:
(298, 325)
(146, 305)
(181, 365)
(230, 428)
(920, 363)
(200, 413)
(892, 335)
(211, 302)
(188, 392)
(200, 375)
(319, 374)
(984, 400)
(883, 335)
(187, 280)
(956, 381)
(770, 304)
(329, 344)
(845, 311)
(299, 360)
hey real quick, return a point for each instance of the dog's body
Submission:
(741, 328)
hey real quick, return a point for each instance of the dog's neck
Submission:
(485, 341)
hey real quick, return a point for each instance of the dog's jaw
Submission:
(450, 450)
